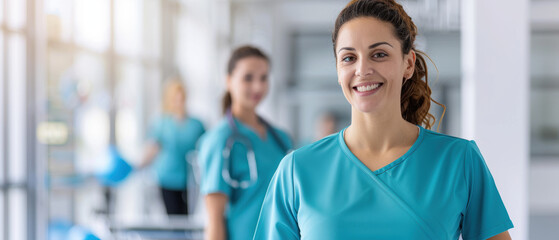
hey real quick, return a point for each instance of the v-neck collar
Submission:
(379, 171)
(249, 130)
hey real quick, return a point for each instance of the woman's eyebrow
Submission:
(370, 47)
(378, 44)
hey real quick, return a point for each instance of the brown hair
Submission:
(416, 93)
(239, 54)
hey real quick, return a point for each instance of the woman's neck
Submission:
(245, 115)
(379, 132)
(179, 114)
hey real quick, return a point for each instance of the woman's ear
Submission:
(410, 64)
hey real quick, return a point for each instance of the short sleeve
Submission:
(278, 215)
(210, 160)
(485, 215)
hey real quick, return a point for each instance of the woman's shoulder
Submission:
(443, 139)
(447, 144)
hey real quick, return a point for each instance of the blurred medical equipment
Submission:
(237, 137)
(171, 227)
(61, 230)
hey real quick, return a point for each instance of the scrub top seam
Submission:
(468, 184)
(296, 208)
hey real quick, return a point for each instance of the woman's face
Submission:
(178, 101)
(248, 83)
(370, 65)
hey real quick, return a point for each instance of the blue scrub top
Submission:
(440, 188)
(243, 206)
(175, 139)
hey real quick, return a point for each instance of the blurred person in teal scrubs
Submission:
(172, 137)
(385, 176)
(238, 157)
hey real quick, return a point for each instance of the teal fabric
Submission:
(244, 204)
(440, 188)
(175, 139)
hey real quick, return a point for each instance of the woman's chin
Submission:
(366, 107)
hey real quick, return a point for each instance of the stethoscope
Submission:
(237, 137)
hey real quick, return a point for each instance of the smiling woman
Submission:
(386, 175)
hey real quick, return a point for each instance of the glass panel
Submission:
(16, 14)
(129, 104)
(128, 27)
(544, 96)
(544, 56)
(2, 106)
(2, 215)
(17, 213)
(63, 98)
(314, 65)
(60, 204)
(152, 27)
(443, 49)
(58, 14)
(16, 108)
(544, 124)
(92, 139)
(151, 95)
(1, 22)
(91, 26)
(91, 116)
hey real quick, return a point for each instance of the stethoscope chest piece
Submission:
(227, 159)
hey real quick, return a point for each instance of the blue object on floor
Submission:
(81, 233)
(58, 230)
(118, 169)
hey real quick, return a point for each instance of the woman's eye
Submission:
(248, 77)
(380, 55)
(348, 59)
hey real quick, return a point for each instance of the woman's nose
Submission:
(260, 85)
(364, 68)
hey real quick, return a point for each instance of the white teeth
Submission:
(368, 87)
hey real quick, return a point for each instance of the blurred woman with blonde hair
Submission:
(172, 136)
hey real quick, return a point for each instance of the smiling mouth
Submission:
(367, 88)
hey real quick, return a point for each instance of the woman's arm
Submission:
(215, 207)
(501, 236)
(151, 151)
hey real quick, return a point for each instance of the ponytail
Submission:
(226, 101)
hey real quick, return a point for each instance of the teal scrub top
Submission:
(440, 188)
(243, 206)
(175, 139)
